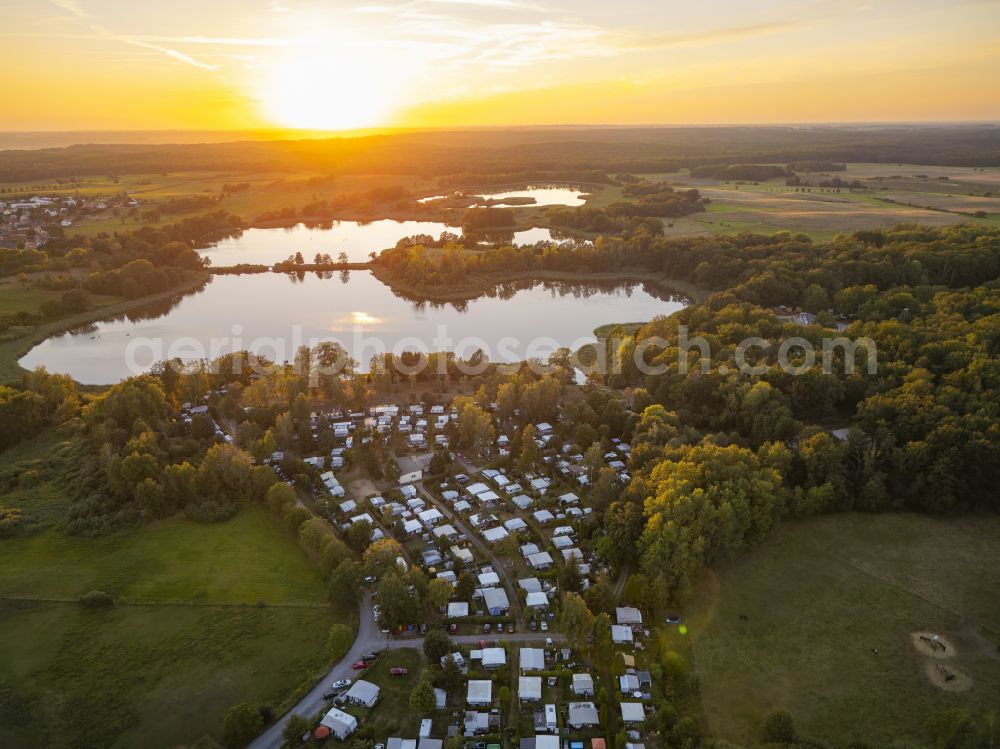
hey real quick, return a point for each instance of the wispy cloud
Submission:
(173, 53)
(72, 7)
(646, 40)
(502, 4)
(75, 9)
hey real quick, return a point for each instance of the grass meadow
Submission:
(819, 596)
(211, 615)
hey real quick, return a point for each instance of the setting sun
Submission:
(328, 85)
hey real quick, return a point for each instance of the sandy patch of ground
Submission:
(946, 677)
(360, 488)
(940, 669)
(933, 644)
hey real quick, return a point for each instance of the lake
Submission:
(269, 246)
(273, 314)
(540, 194)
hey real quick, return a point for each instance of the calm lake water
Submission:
(273, 314)
(542, 195)
(269, 246)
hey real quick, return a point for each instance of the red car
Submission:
(398, 671)
(359, 665)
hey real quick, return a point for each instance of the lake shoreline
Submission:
(11, 352)
(481, 284)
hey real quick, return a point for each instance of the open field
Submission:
(144, 676)
(17, 297)
(892, 194)
(921, 194)
(241, 561)
(189, 641)
(819, 595)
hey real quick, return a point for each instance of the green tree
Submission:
(437, 644)
(570, 579)
(398, 604)
(295, 729)
(339, 641)
(346, 581)
(576, 620)
(778, 728)
(439, 592)
(359, 535)
(381, 556)
(278, 497)
(530, 454)
(422, 699)
(450, 678)
(241, 725)
(465, 586)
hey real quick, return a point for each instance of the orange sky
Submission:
(241, 64)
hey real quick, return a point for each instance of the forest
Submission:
(566, 154)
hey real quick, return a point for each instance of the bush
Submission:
(96, 599)
(778, 728)
(294, 516)
(241, 725)
(339, 641)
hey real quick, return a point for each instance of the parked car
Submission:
(359, 665)
(452, 628)
(341, 684)
(398, 671)
(534, 626)
(423, 628)
(370, 656)
(510, 628)
(487, 628)
(545, 626)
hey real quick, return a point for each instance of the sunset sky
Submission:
(342, 64)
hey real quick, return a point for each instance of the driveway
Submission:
(512, 595)
(370, 638)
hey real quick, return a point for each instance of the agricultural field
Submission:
(211, 615)
(827, 619)
(892, 194)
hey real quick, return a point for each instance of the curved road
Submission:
(369, 637)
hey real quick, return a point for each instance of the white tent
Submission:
(495, 535)
(532, 659)
(633, 712)
(363, 693)
(341, 724)
(480, 692)
(529, 688)
(537, 601)
(583, 685)
(620, 633)
(628, 615)
(494, 657)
